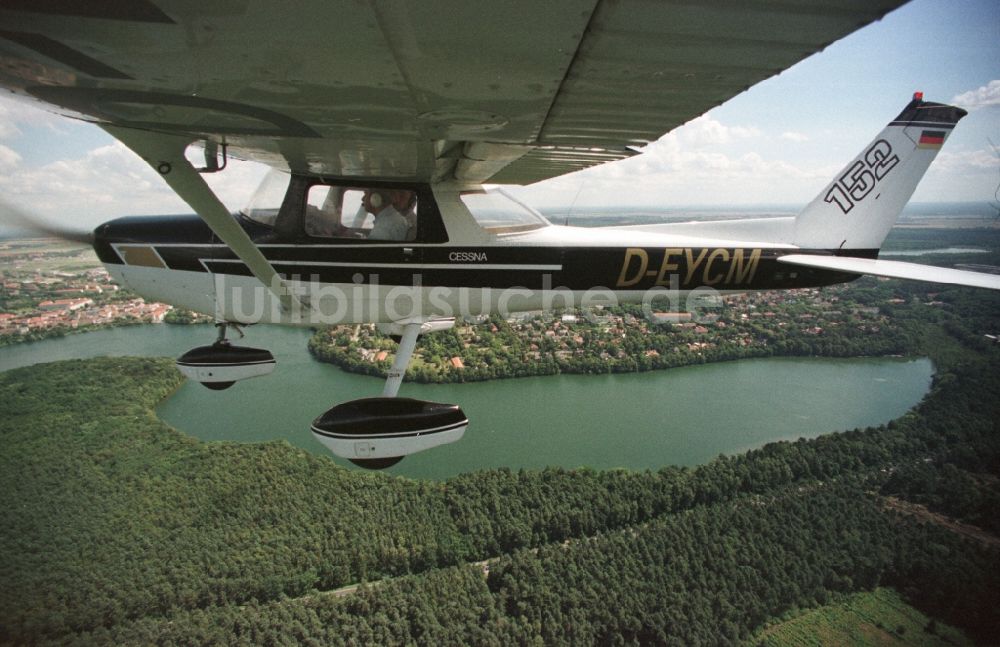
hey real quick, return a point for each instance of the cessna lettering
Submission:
(467, 257)
(691, 266)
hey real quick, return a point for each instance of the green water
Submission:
(683, 416)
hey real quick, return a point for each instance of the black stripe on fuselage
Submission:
(186, 243)
(536, 268)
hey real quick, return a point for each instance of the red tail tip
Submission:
(918, 96)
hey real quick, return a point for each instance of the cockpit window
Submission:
(373, 213)
(266, 200)
(333, 211)
(499, 213)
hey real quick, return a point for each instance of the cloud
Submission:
(8, 123)
(9, 159)
(108, 182)
(672, 175)
(102, 183)
(685, 149)
(235, 185)
(16, 113)
(703, 162)
(8, 128)
(798, 138)
(689, 152)
(701, 132)
(983, 97)
(966, 161)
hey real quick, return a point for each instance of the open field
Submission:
(879, 617)
(46, 255)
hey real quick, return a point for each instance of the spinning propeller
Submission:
(16, 217)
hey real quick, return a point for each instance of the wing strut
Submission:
(165, 153)
(407, 333)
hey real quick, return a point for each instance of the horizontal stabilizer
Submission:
(895, 270)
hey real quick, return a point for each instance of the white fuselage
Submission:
(543, 269)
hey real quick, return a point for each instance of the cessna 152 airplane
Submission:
(385, 120)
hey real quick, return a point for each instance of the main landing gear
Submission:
(221, 365)
(373, 433)
(376, 433)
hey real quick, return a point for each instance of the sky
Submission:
(778, 143)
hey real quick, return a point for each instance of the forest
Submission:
(117, 529)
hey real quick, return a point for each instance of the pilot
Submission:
(324, 221)
(390, 224)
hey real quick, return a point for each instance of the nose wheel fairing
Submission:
(221, 364)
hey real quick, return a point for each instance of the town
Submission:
(839, 321)
(51, 288)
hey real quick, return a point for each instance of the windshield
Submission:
(499, 213)
(266, 200)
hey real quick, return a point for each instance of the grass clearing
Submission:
(877, 618)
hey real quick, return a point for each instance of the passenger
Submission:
(389, 223)
(406, 204)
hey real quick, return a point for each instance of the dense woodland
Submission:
(115, 528)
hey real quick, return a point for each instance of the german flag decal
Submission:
(931, 139)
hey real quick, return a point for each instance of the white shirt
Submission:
(389, 225)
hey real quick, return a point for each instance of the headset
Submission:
(378, 199)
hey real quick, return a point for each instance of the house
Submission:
(670, 317)
(158, 312)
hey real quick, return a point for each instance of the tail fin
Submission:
(858, 208)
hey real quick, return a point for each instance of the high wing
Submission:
(508, 92)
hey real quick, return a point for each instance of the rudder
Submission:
(858, 208)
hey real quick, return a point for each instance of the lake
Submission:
(684, 416)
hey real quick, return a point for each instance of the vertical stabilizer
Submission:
(858, 208)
